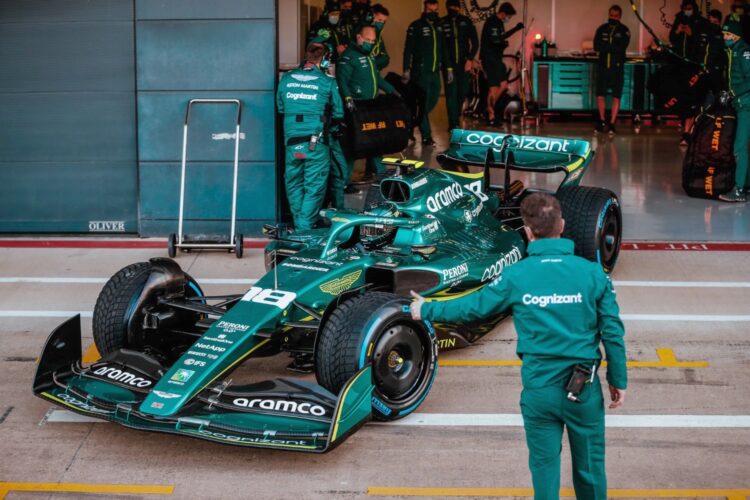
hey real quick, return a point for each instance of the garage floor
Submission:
(684, 431)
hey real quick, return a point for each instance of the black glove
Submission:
(349, 104)
(397, 94)
(519, 26)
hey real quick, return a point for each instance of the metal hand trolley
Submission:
(188, 242)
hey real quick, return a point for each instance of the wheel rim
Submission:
(400, 363)
(609, 239)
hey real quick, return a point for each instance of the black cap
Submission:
(507, 8)
(332, 6)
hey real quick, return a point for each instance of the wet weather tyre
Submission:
(172, 245)
(593, 220)
(374, 328)
(115, 306)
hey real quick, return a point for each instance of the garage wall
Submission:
(195, 49)
(67, 109)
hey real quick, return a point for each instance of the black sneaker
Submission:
(736, 195)
(350, 189)
(600, 126)
(612, 129)
(428, 142)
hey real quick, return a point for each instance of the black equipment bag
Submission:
(678, 88)
(708, 168)
(412, 95)
(378, 127)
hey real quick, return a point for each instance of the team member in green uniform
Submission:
(611, 42)
(360, 79)
(462, 44)
(494, 42)
(379, 17)
(424, 56)
(563, 308)
(303, 97)
(739, 86)
(326, 28)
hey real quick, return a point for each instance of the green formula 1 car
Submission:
(335, 298)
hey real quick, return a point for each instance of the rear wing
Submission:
(519, 152)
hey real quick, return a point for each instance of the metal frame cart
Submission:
(188, 242)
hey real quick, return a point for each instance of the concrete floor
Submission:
(390, 456)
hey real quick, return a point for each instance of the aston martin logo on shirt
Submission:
(340, 285)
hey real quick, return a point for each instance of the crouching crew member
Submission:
(739, 86)
(563, 307)
(359, 79)
(305, 96)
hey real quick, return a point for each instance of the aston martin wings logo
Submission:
(304, 78)
(342, 284)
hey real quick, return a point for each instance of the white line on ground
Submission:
(250, 281)
(515, 420)
(720, 318)
(101, 281)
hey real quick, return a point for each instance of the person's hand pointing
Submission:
(416, 306)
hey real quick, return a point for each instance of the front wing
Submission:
(283, 414)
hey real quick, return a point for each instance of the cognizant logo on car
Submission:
(545, 300)
(528, 143)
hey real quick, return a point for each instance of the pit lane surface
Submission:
(475, 446)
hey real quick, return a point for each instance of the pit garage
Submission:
(94, 100)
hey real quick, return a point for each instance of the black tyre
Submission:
(116, 305)
(593, 220)
(172, 245)
(375, 328)
(238, 245)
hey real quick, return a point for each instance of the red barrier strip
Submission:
(687, 246)
(259, 243)
(104, 243)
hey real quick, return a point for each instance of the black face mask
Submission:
(614, 22)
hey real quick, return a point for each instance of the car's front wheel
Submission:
(377, 328)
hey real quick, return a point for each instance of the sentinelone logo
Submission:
(545, 300)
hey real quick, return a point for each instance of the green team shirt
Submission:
(461, 40)
(358, 75)
(302, 98)
(739, 74)
(563, 307)
(424, 50)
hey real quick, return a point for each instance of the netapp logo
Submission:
(445, 197)
(528, 143)
(209, 347)
(122, 376)
(545, 300)
(281, 405)
(107, 226)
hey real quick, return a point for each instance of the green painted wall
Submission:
(92, 102)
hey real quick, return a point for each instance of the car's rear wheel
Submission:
(116, 305)
(377, 328)
(593, 220)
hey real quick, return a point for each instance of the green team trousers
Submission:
(545, 412)
(741, 139)
(429, 83)
(455, 94)
(341, 172)
(306, 180)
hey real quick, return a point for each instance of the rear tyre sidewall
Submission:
(593, 220)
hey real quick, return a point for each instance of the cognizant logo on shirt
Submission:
(545, 300)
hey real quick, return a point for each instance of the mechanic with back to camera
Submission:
(308, 98)
(563, 307)
(739, 87)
